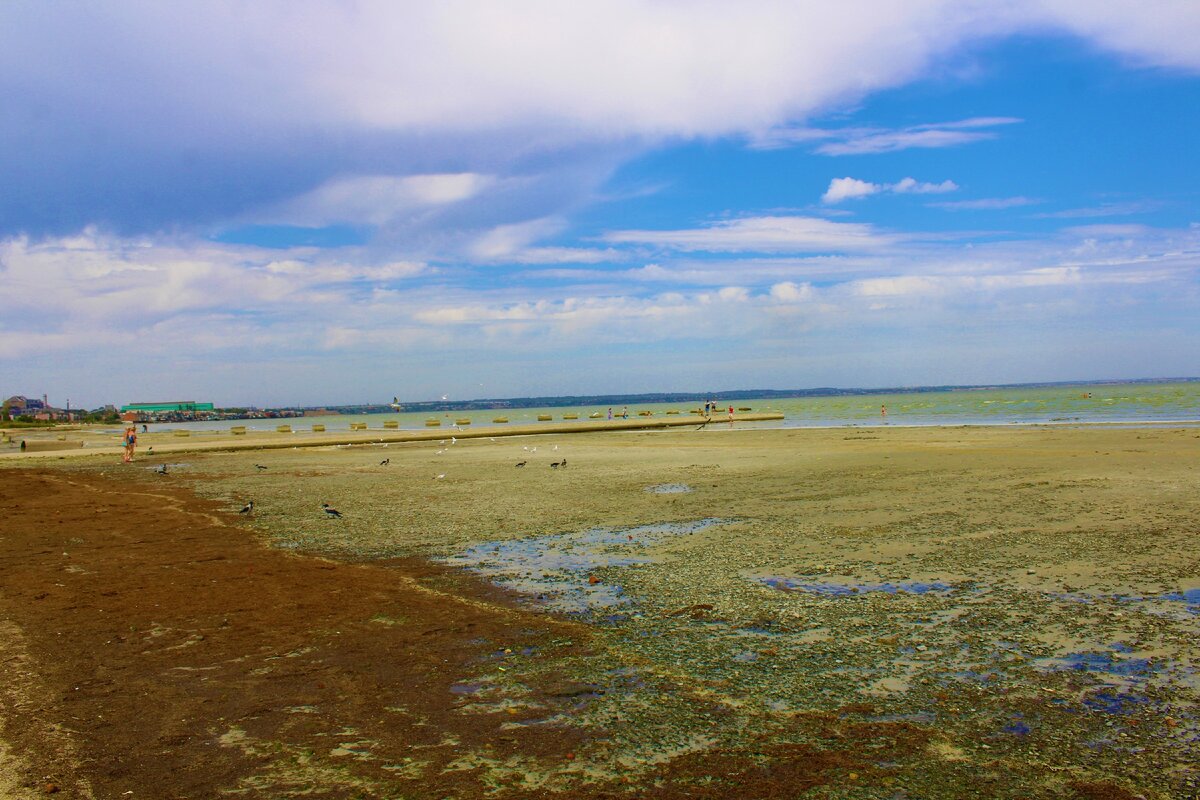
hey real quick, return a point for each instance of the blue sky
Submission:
(336, 203)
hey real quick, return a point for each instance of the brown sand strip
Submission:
(168, 653)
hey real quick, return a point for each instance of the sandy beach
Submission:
(828, 613)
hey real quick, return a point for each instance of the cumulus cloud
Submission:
(841, 189)
(913, 186)
(848, 189)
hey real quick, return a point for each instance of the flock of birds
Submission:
(333, 513)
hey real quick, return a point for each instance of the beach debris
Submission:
(521, 463)
(330, 511)
(161, 470)
(695, 610)
(248, 508)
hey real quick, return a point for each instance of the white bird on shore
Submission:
(453, 440)
(439, 477)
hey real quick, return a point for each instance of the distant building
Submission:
(137, 412)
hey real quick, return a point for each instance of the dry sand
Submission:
(907, 612)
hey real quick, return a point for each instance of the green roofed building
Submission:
(181, 407)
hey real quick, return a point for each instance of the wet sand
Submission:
(933, 612)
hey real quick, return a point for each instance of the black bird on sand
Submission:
(385, 462)
(330, 511)
(554, 465)
(521, 463)
(259, 466)
(246, 509)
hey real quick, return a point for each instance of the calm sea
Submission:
(1144, 403)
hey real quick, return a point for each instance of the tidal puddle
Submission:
(826, 589)
(669, 488)
(556, 570)
(1150, 603)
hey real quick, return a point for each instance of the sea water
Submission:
(1144, 403)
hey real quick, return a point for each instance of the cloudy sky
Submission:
(319, 202)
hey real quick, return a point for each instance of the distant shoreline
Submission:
(499, 403)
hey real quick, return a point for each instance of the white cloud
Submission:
(503, 242)
(841, 189)
(861, 140)
(913, 186)
(763, 234)
(375, 199)
(789, 292)
(620, 68)
(848, 189)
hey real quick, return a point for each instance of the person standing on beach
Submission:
(130, 443)
(731, 413)
(610, 413)
(625, 412)
(883, 411)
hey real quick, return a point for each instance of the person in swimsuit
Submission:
(130, 443)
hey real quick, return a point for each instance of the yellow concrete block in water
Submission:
(283, 428)
(318, 428)
(463, 421)
(391, 423)
(183, 433)
(570, 416)
(358, 426)
(432, 423)
(500, 420)
(238, 430)
(544, 417)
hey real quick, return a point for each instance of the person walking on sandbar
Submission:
(130, 443)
